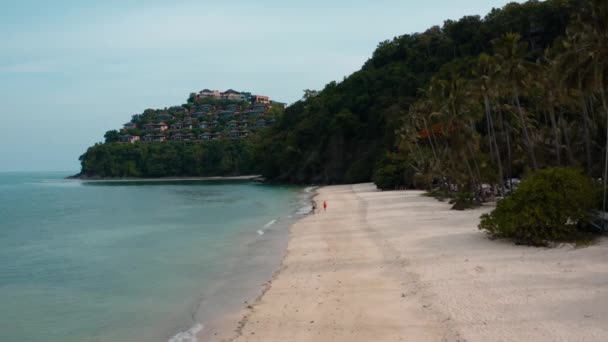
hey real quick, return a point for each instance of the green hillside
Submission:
(472, 102)
(204, 137)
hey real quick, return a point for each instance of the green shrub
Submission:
(547, 207)
(463, 200)
(599, 196)
(393, 172)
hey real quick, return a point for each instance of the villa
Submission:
(156, 127)
(231, 95)
(130, 125)
(177, 137)
(154, 138)
(260, 99)
(187, 125)
(127, 138)
(234, 134)
(261, 123)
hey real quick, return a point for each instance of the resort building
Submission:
(130, 125)
(127, 138)
(230, 94)
(234, 134)
(177, 137)
(187, 125)
(154, 138)
(260, 99)
(261, 123)
(156, 127)
(210, 93)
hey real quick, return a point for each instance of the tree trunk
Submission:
(430, 138)
(587, 135)
(555, 134)
(509, 155)
(493, 134)
(525, 129)
(564, 126)
(605, 107)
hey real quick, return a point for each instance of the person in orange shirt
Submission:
(324, 205)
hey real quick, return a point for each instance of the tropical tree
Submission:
(515, 71)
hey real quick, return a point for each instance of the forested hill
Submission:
(476, 101)
(343, 133)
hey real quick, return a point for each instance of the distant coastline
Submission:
(78, 176)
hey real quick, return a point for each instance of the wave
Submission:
(188, 335)
(270, 224)
(305, 210)
(310, 189)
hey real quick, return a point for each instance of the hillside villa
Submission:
(127, 138)
(230, 94)
(161, 126)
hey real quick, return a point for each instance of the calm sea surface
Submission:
(104, 261)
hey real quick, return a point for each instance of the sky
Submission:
(72, 70)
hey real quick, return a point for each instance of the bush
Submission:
(463, 200)
(393, 172)
(547, 207)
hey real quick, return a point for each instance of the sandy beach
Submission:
(398, 266)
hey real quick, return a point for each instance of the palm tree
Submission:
(589, 37)
(486, 73)
(457, 117)
(515, 71)
(548, 93)
(574, 64)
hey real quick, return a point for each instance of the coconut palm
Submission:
(515, 72)
(486, 73)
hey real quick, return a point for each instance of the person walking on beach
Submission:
(314, 207)
(324, 205)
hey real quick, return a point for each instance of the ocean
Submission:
(134, 261)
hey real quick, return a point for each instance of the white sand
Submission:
(396, 266)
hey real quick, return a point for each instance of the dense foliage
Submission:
(476, 101)
(547, 207)
(213, 158)
(342, 133)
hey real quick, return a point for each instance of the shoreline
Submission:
(224, 326)
(167, 179)
(385, 266)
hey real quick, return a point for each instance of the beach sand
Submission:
(398, 266)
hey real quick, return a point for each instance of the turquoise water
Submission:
(101, 261)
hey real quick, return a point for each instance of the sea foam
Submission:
(188, 335)
(267, 225)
